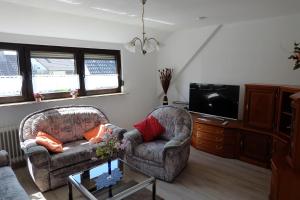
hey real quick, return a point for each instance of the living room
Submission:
(216, 42)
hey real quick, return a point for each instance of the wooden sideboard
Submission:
(232, 140)
(212, 136)
(268, 136)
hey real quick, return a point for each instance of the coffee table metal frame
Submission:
(88, 195)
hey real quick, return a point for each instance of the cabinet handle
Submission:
(219, 147)
(219, 139)
(241, 144)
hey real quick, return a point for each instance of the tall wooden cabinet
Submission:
(285, 181)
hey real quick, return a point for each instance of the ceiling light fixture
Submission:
(147, 45)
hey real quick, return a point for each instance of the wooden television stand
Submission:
(216, 137)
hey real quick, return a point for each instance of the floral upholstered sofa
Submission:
(67, 124)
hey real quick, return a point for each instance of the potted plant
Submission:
(296, 56)
(112, 146)
(74, 93)
(38, 97)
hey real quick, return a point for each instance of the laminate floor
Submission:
(206, 177)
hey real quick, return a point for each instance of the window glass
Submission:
(100, 72)
(10, 78)
(53, 72)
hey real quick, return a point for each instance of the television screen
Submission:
(212, 99)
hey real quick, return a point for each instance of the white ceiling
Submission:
(178, 13)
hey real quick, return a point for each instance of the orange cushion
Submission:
(49, 142)
(96, 135)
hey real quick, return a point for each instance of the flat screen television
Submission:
(216, 100)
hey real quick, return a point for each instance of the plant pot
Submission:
(165, 100)
(38, 99)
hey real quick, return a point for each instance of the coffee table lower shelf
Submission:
(85, 182)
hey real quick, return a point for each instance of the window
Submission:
(100, 72)
(55, 71)
(10, 78)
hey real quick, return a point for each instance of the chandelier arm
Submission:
(135, 39)
(154, 40)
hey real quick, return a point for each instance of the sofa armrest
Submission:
(134, 138)
(38, 156)
(25, 145)
(116, 130)
(4, 159)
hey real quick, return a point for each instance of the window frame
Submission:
(24, 58)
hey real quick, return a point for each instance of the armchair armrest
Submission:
(38, 156)
(4, 159)
(177, 142)
(117, 130)
(134, 137)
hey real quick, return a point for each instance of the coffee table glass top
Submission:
(118, 181)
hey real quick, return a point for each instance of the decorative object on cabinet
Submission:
(165, 79)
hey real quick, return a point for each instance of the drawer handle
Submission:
(219, 139)
(219, 147)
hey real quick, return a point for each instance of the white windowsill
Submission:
(62, 99)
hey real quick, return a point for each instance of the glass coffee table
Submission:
(112, 180)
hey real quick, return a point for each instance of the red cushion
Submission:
(150, 128)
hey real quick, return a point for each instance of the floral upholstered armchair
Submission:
(165, 157)
(68, 125)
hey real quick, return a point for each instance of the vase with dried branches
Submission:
(165, 79)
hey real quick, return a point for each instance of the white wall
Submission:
(254, 51)
(123, 110)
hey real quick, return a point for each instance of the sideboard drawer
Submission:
(209, 129)
(217, 148)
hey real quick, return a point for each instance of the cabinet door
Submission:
(255, 148)
(260, 104)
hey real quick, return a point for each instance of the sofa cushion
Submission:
(74, 152)
(10, 187)
(150, 128)
(152, 151)
(49, 142)
(96, 135)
